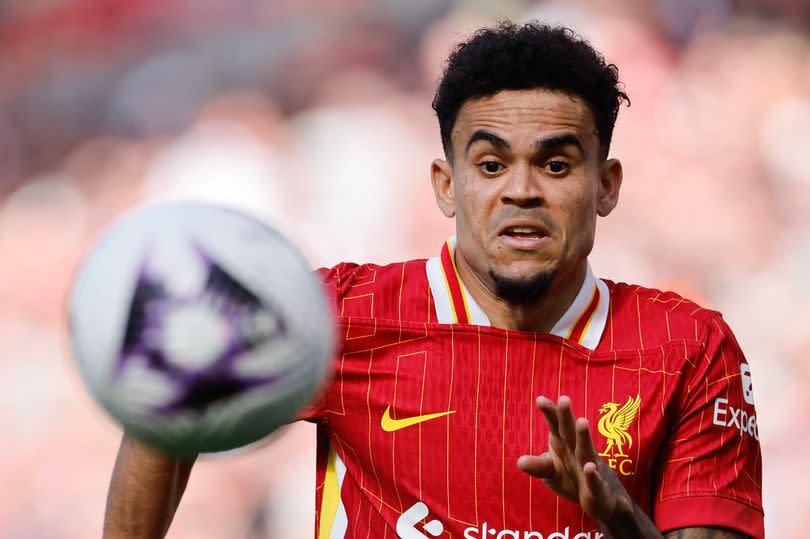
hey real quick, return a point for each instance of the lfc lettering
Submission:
(621, 466)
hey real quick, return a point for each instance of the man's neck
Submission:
(540, 316)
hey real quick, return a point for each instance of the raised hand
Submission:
(572, 468)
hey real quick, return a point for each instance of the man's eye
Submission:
(491, 167)
(557, 167)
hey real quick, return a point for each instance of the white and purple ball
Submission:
(198, 328)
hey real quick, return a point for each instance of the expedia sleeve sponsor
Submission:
(710, 464)
(726, 415)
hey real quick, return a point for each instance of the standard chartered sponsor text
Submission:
(486, 532)
(411, 520)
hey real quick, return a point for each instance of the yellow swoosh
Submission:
(390, 424)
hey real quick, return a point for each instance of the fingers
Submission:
(585, 450)
(549, 410)
(566, 422)
(572, 467)
(594, 480)
(541, 466)
(555, 439)
(567, 434)
(560, 419)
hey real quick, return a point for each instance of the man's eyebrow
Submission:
(486, 136)
(558, 141)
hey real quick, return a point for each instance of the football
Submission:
(198, 328)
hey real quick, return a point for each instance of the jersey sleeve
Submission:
(711, 464)
(333, 280)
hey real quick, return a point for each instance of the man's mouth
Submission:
(523, 232)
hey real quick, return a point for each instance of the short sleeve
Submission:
(711, 464)
(331, 280)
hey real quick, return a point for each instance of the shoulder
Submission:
(345, 275)
(373, 290)
(652, 317)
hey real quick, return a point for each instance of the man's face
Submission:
(525, 183)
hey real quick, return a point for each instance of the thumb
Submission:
(541, 466)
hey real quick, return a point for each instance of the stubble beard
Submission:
(523, 291)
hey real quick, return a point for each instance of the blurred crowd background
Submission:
(316, 115)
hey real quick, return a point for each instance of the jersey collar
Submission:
(583, 322)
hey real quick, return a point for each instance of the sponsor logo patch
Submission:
(729, 416)
(408, 527)
(408, 521)
(747, 383)
(389, 424)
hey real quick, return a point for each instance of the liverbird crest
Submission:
(614, 424)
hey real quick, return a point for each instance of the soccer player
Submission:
(501, 390)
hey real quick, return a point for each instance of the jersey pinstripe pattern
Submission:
(685, 454)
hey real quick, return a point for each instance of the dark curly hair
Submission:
(535, 55)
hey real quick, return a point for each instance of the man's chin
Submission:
(522, 289)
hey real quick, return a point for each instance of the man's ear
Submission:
(610, 182)
(441, 176)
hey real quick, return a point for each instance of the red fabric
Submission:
(454, 285)
(675, 357)
(709, 511)
(585, 317)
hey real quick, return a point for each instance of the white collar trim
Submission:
(584, 321)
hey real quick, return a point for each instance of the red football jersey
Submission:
(420, 430)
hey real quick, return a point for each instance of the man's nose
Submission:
(522, 187)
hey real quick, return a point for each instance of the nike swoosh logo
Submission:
(390, 424)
